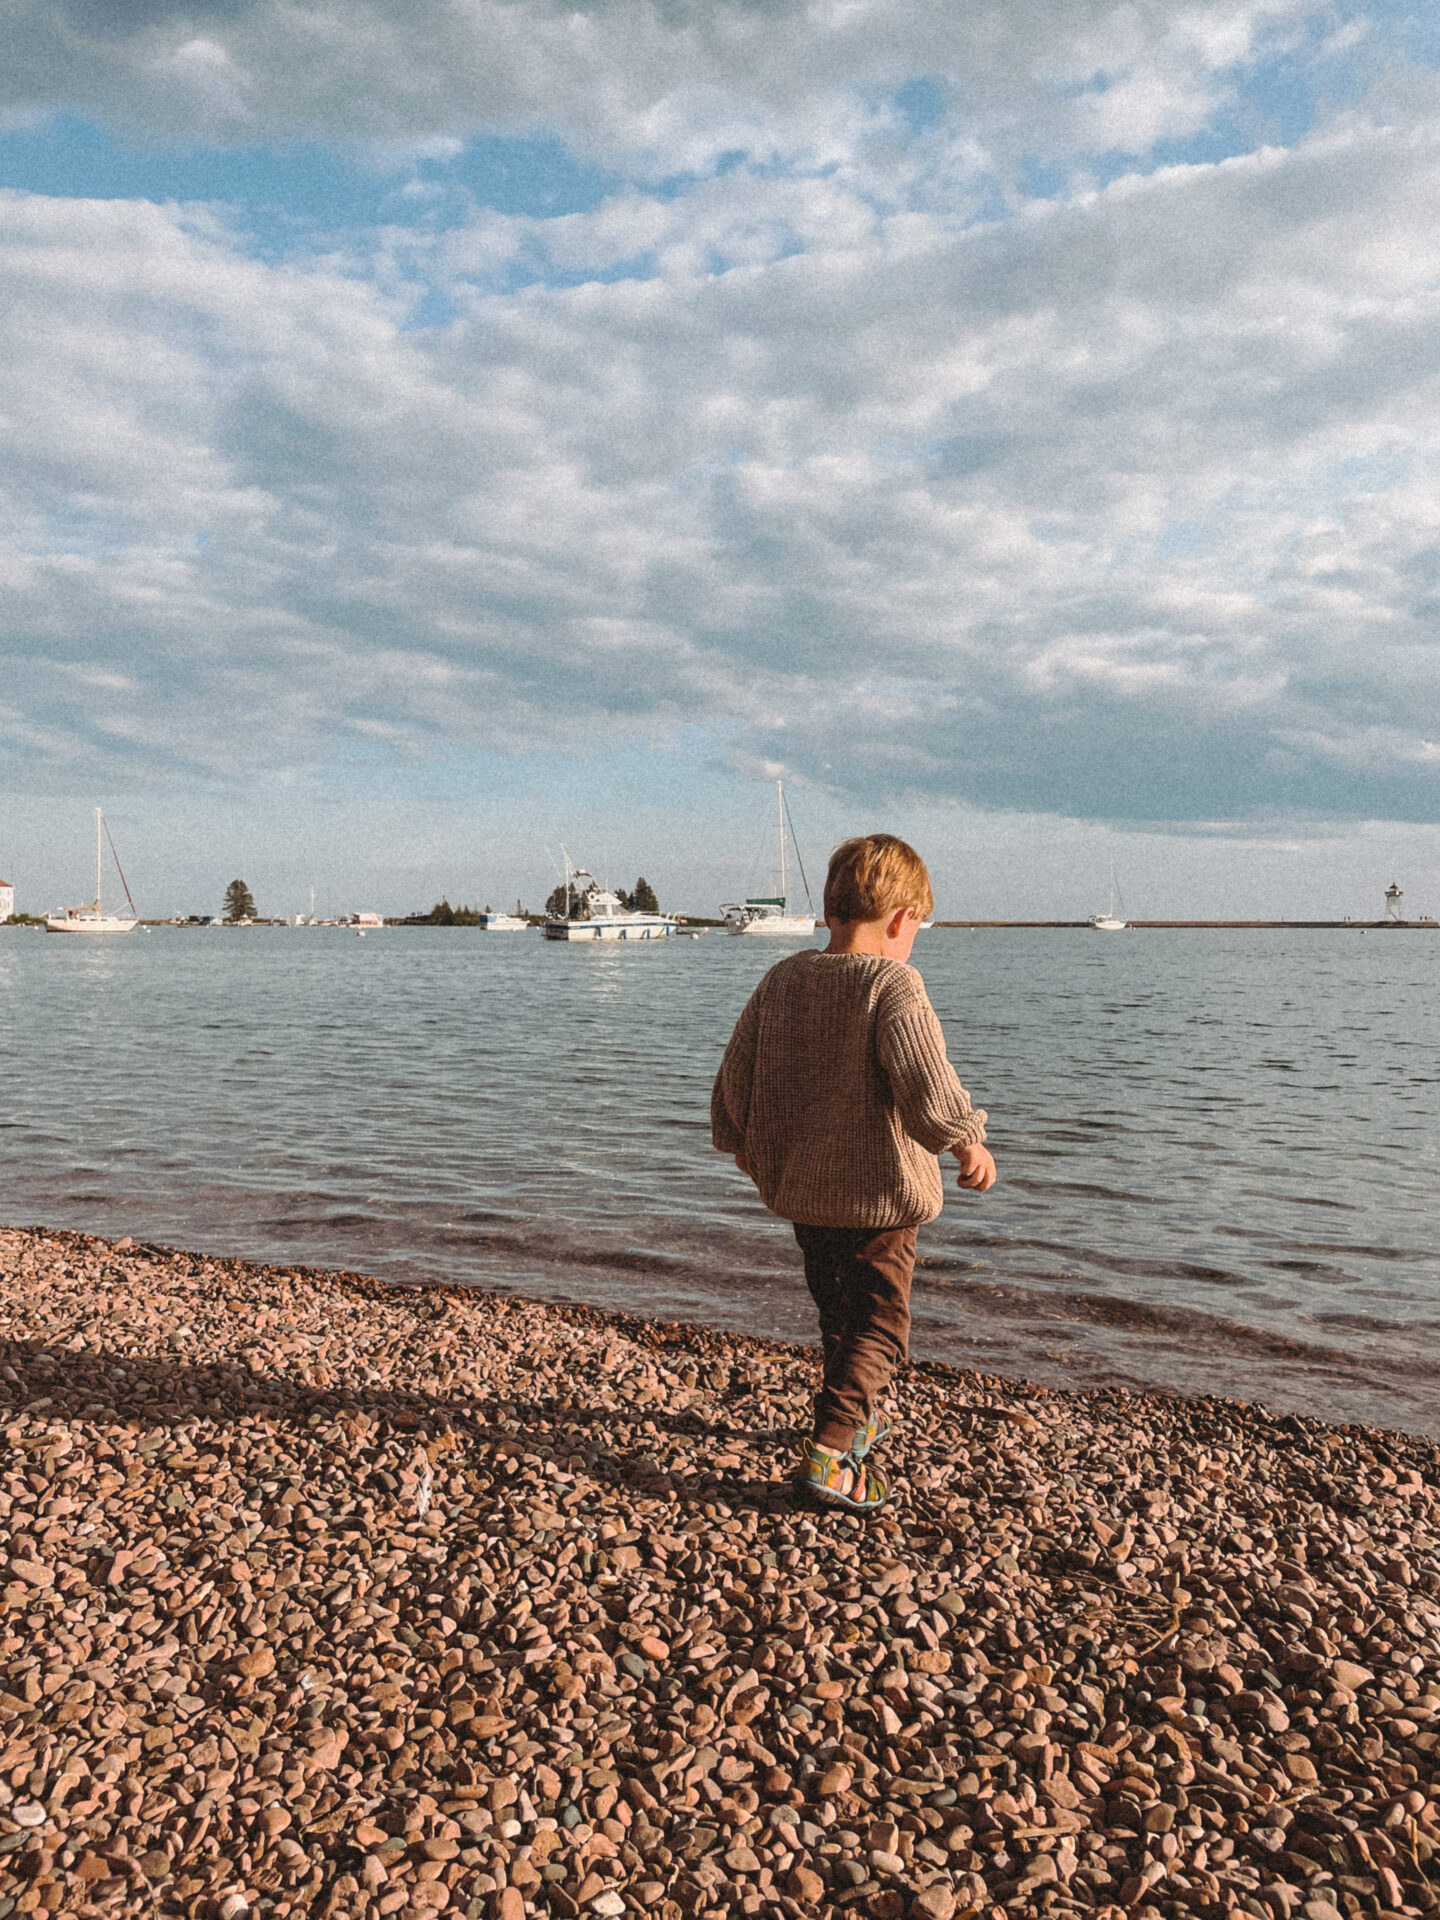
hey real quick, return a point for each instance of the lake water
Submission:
(1218, 1150)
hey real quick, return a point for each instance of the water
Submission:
(1217, 1149)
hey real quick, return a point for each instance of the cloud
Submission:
(657, 87)
(1117, 502)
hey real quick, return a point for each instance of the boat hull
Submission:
(792, 926)
(107, 923)
(1107, 923)
(581, 930)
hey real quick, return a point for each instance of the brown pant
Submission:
(860, 1281)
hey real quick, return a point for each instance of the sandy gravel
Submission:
(326, 1595)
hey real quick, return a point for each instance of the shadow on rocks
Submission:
(168, 1394)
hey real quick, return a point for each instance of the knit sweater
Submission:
(836, 1092)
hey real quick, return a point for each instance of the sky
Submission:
(434, 437)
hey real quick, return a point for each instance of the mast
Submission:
(780, 809)
(97, 863)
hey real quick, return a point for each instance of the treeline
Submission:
(442, 914)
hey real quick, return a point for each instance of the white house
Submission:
(7, 899)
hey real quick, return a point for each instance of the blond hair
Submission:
(871, 877)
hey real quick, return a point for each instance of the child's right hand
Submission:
(977, 1168)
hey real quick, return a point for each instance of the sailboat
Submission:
(767, 913)
(94, 919)
(1106, 922)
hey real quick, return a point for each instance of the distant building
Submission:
(1394, 903)
(368, 920)
(7, 899)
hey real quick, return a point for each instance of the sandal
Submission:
(875, 1429)
(822, 1475)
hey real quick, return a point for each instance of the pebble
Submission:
(320, 1595)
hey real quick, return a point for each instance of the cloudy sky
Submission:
(431, 434)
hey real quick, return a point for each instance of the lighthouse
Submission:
(1394, 905)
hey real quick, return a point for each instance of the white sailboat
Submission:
(592, 912)
(1106, 922)
(766, 913)
(94, 919)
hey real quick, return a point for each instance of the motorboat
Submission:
(588, 911)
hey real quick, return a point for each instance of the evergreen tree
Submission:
(643, 900)
(239, 903)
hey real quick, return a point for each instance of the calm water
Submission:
(1218, 1151)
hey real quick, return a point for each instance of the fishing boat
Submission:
(591, 912)
(93, 918)
(769, 913)
(1106, 922)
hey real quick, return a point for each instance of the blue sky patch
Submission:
(284, 193)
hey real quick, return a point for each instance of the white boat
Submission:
(503, 922)
(767, 913)
(594, 913)
(1106, 922)
(94, 919)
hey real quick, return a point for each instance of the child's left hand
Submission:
(977, 1169)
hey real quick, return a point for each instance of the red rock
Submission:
(1349, 1673)
(802, 1883)
(32, 1573)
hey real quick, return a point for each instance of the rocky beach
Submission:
(331, 1596)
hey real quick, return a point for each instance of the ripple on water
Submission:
(1168, 1114)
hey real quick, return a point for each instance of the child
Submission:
(835, 1096)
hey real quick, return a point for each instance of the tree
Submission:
(643, 900)
(239, 903)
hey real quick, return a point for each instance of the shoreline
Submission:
(328, 1594)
